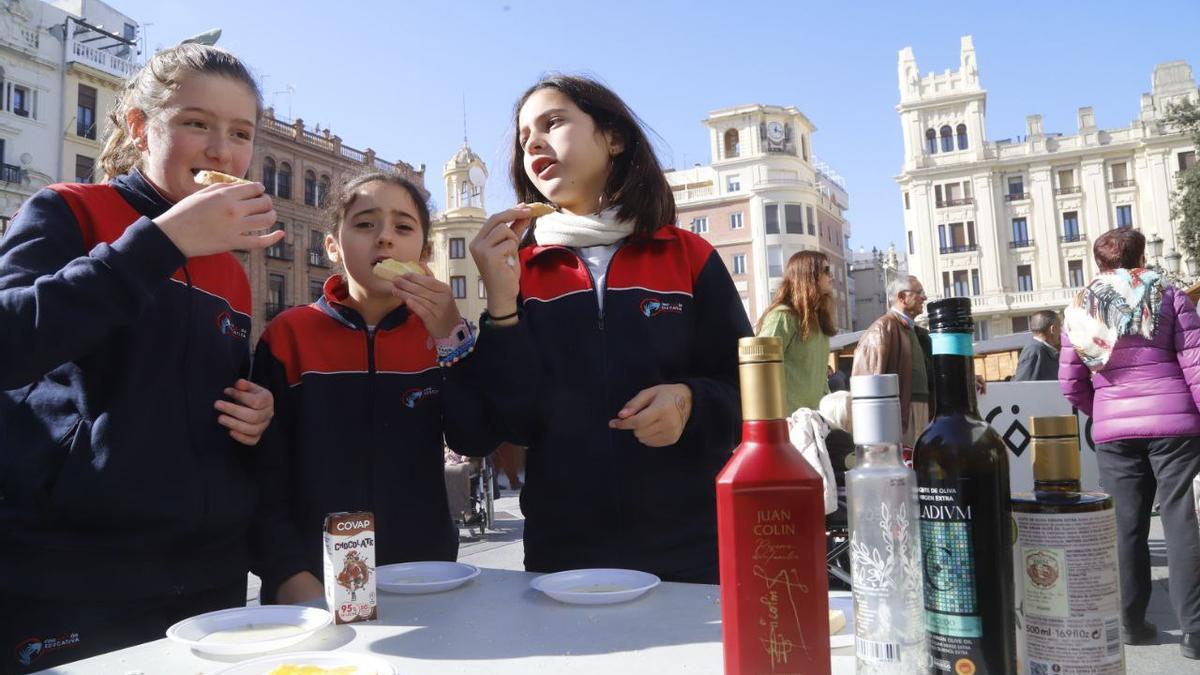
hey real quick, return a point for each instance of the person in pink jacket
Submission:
(1131, 360)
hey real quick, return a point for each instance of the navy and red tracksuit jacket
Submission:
(360, 419)
(116, 481)
(595, 496)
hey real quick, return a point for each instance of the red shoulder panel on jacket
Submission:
(306, 340)
(104, 215)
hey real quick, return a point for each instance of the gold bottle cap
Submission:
(760, 349)
(760, 370)
(1053, 425)
(1055, 441)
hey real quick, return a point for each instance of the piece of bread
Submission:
(207, 177)
(390, 269)
(540, 209)
(837, 621)
(304, 669)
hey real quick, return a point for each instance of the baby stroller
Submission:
(837, 525)
(469, 492)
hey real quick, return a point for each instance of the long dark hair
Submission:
(800, 294)
(636, 184)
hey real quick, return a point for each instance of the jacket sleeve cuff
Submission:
(714, 424)
(143, 255)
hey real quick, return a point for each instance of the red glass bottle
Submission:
(771, 531)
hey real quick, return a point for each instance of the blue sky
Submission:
(392, 75)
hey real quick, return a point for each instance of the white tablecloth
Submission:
(497, 625)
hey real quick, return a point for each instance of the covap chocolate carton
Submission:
(350, 566)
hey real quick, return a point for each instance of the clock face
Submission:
(775, 131)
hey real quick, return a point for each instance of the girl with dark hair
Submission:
(802, 316)
(1131, 361)
(125, 418)
(609, 344)
(368, 380)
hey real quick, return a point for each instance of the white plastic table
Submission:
(497, 625)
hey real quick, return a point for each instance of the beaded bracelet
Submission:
(457, 354)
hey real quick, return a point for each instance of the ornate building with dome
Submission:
(465, 177)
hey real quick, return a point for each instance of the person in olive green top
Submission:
(802, 315)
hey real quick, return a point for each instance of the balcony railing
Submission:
(1069, 238)
(1067, 190)
(316, 258)
(1016, 196)
(1120, 184)
(80, 52)
(274, 309)
(964, 248)
(956, 202)
(280, 252)
(10, 173)
(1021, 243)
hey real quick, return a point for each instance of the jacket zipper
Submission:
(600, 291)
(368, 456)
(607, 394)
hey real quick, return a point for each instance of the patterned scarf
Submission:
(1116, 304)
(566, 229)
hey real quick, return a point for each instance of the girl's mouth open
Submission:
(541, 166)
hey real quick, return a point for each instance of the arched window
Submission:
(322, 190)
(268, 175)
(931, 141)
(962, 136)
(464, 194)
(310, 188)
(733, 146)
(947, 139)
(283, 181)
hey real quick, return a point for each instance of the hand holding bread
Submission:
(220, 217)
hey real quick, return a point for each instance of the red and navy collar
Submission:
(333, 303)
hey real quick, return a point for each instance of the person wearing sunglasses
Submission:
(802, 316)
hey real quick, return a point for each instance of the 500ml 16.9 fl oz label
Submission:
(1070, 593)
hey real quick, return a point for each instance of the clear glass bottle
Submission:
(885, 549)
(1069, 624)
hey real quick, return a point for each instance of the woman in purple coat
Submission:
(1131, 360)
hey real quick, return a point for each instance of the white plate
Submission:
(249, 630)
(366, 664)
(595, 586)
(423, 577)
(844, 637)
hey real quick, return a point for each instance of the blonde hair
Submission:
(152, 86)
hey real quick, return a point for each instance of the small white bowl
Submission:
(366, 664)
(249, 630)
(595, 586)
(434, 576)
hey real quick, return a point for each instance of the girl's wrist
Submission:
(458, 333)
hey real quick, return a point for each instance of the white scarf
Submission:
(807, 431)
(566, 229)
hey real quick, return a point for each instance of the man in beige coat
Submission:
(895, 344)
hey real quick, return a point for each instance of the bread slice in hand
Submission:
(540, 209)
(207, 177)
(390, 269)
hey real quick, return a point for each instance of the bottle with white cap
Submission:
(885, 541)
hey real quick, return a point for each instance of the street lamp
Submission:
(1154, 246)
(1172, 259)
